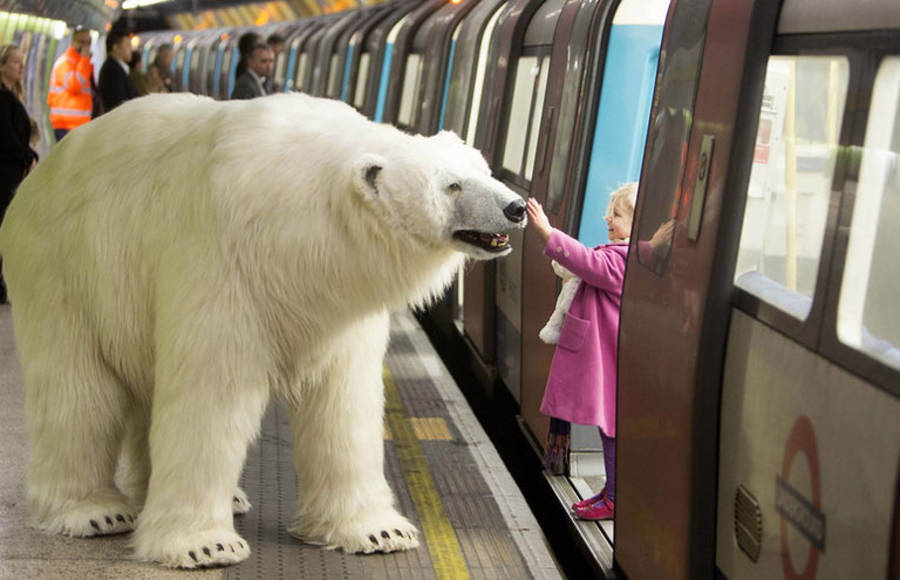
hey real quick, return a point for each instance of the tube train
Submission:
(759, 363)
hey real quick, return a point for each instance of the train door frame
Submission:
(356, 46)
(349, 43)
(403, 45)
(437, 52)
(296, 44)
(679, 310)
(479, 290)
(328, 67)
(376, 45)
(309, 53)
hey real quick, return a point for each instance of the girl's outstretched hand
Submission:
(538, 219)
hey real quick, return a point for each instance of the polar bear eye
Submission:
(455, 188)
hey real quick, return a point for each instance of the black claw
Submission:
(206, 551)
(220, 548)
(235, 499)
(232, 547)
(95, 525)
(120, 518)
(374, 541)
(193, 556)
(108, 521)
(241, 545)
(399, 533)
(384, 534)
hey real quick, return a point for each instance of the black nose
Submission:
(515, 211)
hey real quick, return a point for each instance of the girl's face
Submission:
(13, 69)
(619, 223)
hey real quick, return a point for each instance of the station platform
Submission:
(447, 477)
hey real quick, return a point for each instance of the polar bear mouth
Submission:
(485, 241)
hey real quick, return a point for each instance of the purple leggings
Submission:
(609, 462)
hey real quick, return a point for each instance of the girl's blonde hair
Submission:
(5, 52)
(624, 199)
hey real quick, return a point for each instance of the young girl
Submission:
(581, 387)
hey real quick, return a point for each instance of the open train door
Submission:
(675, 307)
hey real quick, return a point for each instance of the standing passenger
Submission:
(581, 387)
(276, 42)
(246, 44)
(115, 83)
(139, 78)
(17, 157)
(160, 70)
(251, 84)
(69, 97)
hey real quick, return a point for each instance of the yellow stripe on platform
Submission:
(446, 553)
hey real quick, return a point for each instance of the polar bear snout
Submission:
(515, 211)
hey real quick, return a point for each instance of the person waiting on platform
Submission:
(246, 43)
(139, 77)
(159, 73)
(17, 129)
(70, 96)
(581, 387)
(115, 83)
(276, 42)
(251, 84)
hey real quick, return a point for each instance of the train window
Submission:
(661, 197)
(791, 178)
(362, 78)
(525, 115)
(300, 85)
(334, 85)
(410, 92)
(868, 311)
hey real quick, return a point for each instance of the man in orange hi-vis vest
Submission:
(70, 97)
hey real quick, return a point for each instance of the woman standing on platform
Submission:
(17, 157)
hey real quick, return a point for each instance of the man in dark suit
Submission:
(251, 83)
(115, 83)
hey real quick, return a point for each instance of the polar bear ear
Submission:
(447, 138)
(365, 174)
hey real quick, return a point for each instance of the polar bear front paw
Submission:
(240, 503)
(199, 550)
(92, 519)
(389, 533)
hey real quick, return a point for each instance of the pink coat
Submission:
(581, 387)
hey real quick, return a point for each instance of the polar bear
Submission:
(177, 261)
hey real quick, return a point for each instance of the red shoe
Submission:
(602, 510)
(591, 500)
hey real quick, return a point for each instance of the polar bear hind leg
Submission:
(344, 500)
(75, 416)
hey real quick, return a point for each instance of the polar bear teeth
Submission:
(491, 242)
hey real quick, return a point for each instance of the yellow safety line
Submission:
(446, 553)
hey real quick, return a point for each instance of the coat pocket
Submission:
(573, 332)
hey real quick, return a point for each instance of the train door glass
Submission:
(660, 196)
(478, 89)
(790, 182)
(525, 115)
(292, 58)
(410, 93)
(333, 90)
(179, 67)
(868, 311)
(362, 79)
(300, 82)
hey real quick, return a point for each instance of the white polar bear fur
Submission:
(550, 333)
(176, 261)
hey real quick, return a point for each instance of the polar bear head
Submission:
(438, 190)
